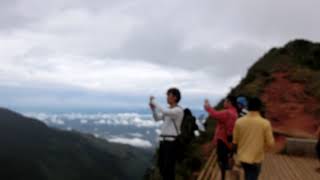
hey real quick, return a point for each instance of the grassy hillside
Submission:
(287, 79)
(299, 58)
(31, 150)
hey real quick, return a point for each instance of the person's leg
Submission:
(161, 157)
(223, 173)
(318, 153)
(165, 160)
(246, 170)
(251, 171)
(222, 153)
(256, 168)
(170, 160)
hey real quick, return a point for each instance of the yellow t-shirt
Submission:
(253, 135)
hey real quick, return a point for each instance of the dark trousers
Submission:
(223, 156)
(318, 149)
(167, 159)
(251, 171)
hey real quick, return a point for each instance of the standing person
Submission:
(242, 106)
(172, 118)
(252, 135)
(318, 146)
(223, 133)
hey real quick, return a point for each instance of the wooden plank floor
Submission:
(278, 167)
(275, 167)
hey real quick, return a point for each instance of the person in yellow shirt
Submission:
(252, 135)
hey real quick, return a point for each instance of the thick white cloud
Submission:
(83, 121)
(131, 141)
(135, 48)
(137, 135)
(121, 119)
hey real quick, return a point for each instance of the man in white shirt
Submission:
(172, 118)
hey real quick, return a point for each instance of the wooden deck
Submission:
(275, 167)
(278, 167)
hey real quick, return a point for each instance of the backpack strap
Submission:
(175, 125)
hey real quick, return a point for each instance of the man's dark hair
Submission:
(232, 100)
(254, 104)
(176, 93)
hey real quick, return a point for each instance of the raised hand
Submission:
(152, 106)
(206, 103)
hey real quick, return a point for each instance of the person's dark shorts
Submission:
(318, 149)
(223, 153)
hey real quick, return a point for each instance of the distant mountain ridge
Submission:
(31, 150)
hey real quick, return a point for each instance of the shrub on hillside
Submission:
(312, 59)
(301, 75)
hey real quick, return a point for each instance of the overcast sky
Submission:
(100, 54)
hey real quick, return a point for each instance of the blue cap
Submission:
(242, 101)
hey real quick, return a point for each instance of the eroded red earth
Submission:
(289, 108)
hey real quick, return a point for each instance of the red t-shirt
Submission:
(225, 122)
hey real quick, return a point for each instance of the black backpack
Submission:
(187, 128)
(186, 134)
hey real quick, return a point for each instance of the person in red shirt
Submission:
(226, 119)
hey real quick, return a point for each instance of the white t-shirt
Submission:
(169, 116)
